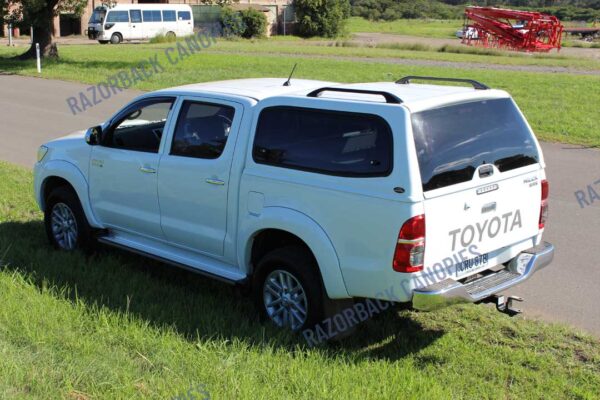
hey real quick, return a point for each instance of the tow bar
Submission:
(504, 304)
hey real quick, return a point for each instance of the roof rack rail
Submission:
(476, 85)
(389, 98)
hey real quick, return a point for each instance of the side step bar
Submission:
(449, 291)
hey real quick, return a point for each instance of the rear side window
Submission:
(202, 130)
(184, 15)
(453, 141)
(169, 16)
(118, 16)
(152, 16)
(328, 142)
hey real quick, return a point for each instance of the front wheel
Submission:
(66, 225)
(116, 38)
(288, 289)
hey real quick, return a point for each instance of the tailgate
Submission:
(481, 173)
(480, 218)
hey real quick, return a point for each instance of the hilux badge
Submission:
(487, 189)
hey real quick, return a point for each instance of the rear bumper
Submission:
(449, 292)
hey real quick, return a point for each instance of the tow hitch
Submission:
(504, 304)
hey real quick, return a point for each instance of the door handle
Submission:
(148, 170)
(215, 182)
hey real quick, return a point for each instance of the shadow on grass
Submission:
(192, 305)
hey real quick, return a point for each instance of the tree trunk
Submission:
(42, 34)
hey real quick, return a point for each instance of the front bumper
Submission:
(448, 291)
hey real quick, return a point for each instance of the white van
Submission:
(139, 22)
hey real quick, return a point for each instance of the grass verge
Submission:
(434, 28)
(115, 325)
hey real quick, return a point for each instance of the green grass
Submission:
(560, 107)
(115, 325)
(415, 51)
(413, 27)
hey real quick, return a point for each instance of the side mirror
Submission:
(93, 135)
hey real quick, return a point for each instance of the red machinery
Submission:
(530, 31)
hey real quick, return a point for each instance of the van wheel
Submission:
(116, 38)
(287, 288)
(67, 227)
(170, 35)
(103, 41)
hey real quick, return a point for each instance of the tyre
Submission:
(67, 227)
(103, 41)
(288, 289)
(116, 38)
(170, 35)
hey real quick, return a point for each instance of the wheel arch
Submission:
(62, 173)
(279, 226)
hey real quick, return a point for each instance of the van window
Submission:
(328, 142)
(452, 141)
(117, 16)
(169, 16)
(136, 15)
(152, 16)
(184, 15)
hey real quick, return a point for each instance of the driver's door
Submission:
(124, 167)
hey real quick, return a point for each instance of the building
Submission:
(278, 12)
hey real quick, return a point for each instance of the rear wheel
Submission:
(66, 225)
(116, 38)
(288, 289)
(170, 35)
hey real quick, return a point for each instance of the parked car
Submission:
(139, 22)
(311, 193)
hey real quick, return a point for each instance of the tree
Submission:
(40, 14)
(321, 17)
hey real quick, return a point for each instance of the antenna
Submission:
(289, 81)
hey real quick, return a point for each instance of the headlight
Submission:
(42, 151)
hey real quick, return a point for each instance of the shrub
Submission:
(321, 17)
(247, 23)
(231, 23)
(255, 22)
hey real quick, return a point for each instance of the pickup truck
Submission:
(314, 195)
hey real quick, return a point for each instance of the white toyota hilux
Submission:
(313, 194)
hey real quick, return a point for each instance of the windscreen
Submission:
(97, 17)
(453, 141)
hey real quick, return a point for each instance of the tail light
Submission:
(410, 248)
(544, 206)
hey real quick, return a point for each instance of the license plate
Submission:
(467, 266)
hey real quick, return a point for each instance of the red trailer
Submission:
(512, 29)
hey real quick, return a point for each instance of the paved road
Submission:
(33, 111)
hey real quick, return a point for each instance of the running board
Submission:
(180, 258)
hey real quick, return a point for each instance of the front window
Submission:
(97, 17)
(453, 141)
(140, 127)
(117, 16)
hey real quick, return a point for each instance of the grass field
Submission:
(560, 107)
(118, 326)
(414, 27)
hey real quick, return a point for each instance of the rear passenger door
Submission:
(193, 179)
